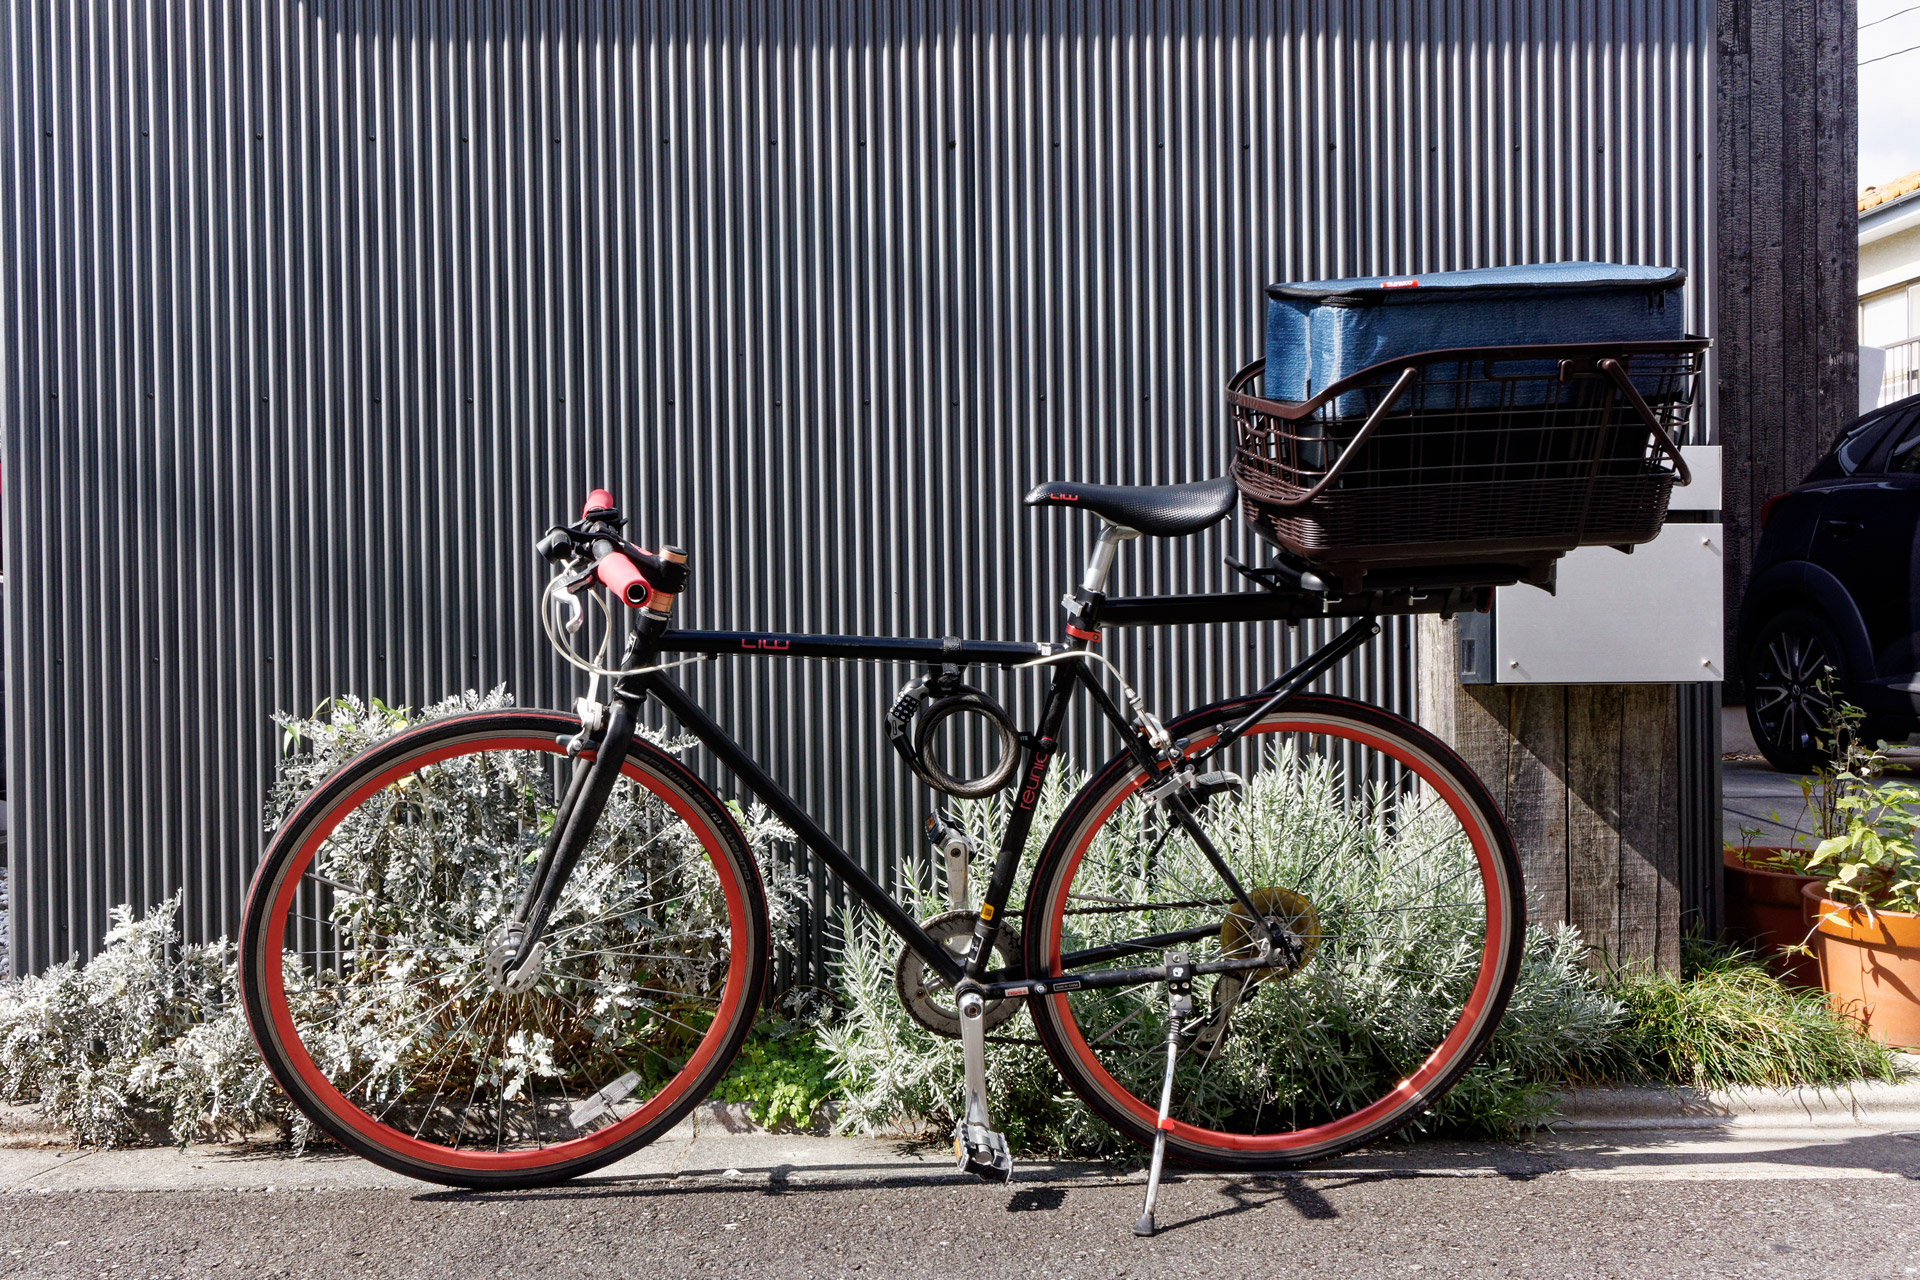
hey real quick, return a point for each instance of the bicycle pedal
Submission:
(981, 1152)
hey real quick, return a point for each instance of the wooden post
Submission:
(1588, 778)
(1787, 367)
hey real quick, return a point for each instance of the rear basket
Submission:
(1501, 459)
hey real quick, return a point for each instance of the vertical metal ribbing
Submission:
(324, 310)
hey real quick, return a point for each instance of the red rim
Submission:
(404, 1144)
(1409, 1090)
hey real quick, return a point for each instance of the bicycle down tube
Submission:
(1036, 759)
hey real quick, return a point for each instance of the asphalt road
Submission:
(1307, 1227)
(1831, 1204)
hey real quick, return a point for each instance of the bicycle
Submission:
(506, 948)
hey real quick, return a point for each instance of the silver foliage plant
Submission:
(148, 1039)
(144, 1042)
(1354, 1018)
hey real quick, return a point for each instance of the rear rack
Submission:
(1294, 603)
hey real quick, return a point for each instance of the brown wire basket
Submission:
(1484, 463)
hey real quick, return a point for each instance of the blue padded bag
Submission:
(1321, 331)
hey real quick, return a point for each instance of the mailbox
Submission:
(1649, 616)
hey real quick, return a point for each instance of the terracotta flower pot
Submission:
(1871, 971)
(1764, 909)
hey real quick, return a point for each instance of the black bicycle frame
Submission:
(599, 765)
(1037, 756)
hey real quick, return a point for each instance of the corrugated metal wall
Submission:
(319, 312)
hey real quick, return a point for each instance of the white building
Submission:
(1889, 230)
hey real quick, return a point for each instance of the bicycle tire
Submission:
(1057, 1015)
(372, 794)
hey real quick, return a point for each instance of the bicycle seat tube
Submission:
(1082, 630)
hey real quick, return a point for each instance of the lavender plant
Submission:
(1352, 1015)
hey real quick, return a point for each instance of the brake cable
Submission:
(591, 665)
(1150, 725)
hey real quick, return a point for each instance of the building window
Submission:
(1884, 319)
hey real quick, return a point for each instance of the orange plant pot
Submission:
(1871, 970)
(1764, 910)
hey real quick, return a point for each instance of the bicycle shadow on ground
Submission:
(1034, 1188)
(1306, 1193)
(1711, 1154)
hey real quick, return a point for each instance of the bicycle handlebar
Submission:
(642, 579)
(619, 574)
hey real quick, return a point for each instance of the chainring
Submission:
(930, 1002)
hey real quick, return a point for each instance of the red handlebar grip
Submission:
(623, 578)
(598, 500)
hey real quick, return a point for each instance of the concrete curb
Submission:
(24, 1127)
(1872, 1104)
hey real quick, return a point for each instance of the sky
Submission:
(1889, 90)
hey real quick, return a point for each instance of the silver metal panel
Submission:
(320, 311)
(1703, 494)
(1652, 617)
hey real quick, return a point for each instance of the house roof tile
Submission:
(1887, 192)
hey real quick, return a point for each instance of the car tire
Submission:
(1786, 710)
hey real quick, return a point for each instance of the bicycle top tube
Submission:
(1004, 653)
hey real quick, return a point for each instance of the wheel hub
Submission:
(502, 948)
(1240, 938)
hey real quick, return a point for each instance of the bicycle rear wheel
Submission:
(383, 898)
(1391, 869)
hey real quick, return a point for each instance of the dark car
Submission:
(1834, 586)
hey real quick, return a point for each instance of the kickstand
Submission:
(1179, 1008)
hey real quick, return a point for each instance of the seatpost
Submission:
(1111, 536)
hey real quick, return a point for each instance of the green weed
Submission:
(1724, 1020)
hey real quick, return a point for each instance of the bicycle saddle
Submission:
(1158, 510)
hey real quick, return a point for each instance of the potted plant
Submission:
(1764, 908)
(1865, 912)
(1764, 884)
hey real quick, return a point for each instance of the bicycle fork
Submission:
(514, 958)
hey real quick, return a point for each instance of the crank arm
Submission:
(977, 1146)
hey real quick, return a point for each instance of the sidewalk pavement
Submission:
(1868, 1131)
(1757, 798)
(1761, 806)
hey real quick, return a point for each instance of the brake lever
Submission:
(565, 593)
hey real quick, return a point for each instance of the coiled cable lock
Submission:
(926, 702)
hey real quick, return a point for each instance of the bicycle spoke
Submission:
(1366, 859)
(403, 900)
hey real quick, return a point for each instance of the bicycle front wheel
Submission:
(375, 931)
(1394, 876)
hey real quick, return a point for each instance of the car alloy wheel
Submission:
(1793, 669)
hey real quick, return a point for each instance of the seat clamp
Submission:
(1091, 637)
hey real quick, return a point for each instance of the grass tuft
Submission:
(1724, 1020)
